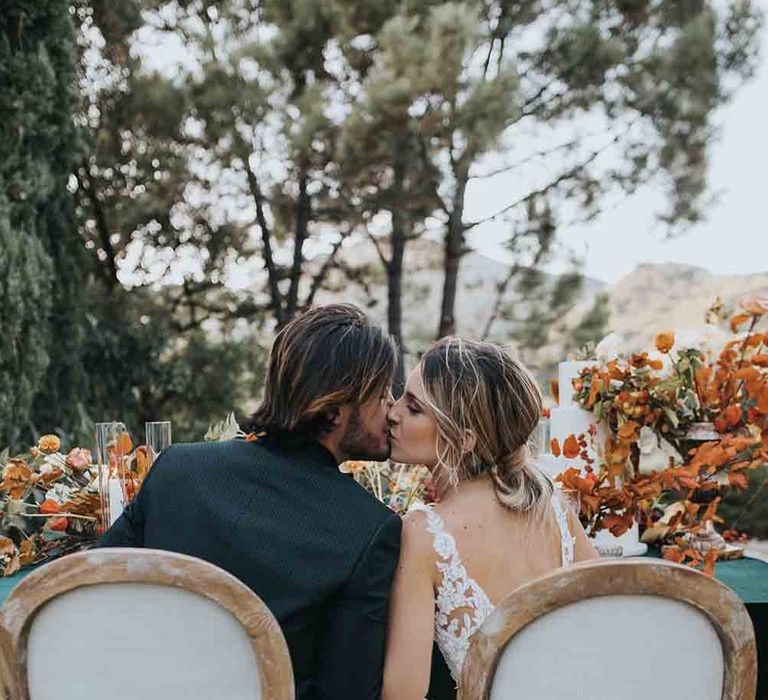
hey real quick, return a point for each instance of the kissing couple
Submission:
(362, 595)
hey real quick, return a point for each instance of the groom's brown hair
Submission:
(327, 357)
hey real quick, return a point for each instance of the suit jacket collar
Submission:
(303, 447)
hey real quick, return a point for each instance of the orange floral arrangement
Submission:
(652, 467)
(51, 503)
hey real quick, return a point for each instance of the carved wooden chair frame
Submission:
(719, 603)
(123, 565)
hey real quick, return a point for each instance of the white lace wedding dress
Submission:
(461, 605)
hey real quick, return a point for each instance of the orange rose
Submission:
(49, 444)
(571, 448)
(664, 341)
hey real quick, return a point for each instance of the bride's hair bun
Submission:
(480, 389)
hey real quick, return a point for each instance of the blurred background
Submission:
(179, 179)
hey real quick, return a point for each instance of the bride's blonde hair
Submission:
(479, 387)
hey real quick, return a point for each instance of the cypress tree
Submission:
(37, 146)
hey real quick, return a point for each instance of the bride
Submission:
(468, 413)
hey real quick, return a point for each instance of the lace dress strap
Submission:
(461, 605)
(567, 540)
(442, 540)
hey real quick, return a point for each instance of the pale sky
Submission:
(732, 239)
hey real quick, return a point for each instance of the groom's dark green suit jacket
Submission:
(316, 547)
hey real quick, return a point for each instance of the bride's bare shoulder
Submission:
(416, 538)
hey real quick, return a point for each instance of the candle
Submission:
(115, 491)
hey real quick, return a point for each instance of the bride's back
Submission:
(503, 549)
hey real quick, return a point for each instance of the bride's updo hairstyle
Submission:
(478, 387)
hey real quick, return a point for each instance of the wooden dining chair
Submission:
(140, 623)
(7, 685)
(618, 630)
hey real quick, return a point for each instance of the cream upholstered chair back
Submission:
(615, 630)
(138, 623)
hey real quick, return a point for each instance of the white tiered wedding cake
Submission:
(569, 419)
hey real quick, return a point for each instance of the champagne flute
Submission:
(158, 437)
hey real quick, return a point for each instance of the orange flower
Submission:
(664, 341)
(762, 400)
(571, 448)
(124, 444)
(49, 444)
(48, 507)
(554, 389)
(748, 374)
(594, 390)
(17, 477)
(733, 415)
(142, 461)
(639, 360)
(628, 432)
(58, 524)
(738, 479)
(739, 320)
(755, 307)
(761, 360)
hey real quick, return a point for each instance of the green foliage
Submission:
(747, 510)
(37, 146)
(140, 370)
(593, 326)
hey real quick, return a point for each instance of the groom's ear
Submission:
(333, 417)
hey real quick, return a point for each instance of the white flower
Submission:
(667, 368)
(707, 338)
(228, 429)
(655, 452)
(60, 493)
(610, 347)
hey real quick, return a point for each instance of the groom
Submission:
(278, 514)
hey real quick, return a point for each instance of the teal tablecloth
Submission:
(747, 577)
(9, 583)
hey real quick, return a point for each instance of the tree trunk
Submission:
(395, 296)
(400, 231)
(302, 212)
(266, 237)
(454, 249)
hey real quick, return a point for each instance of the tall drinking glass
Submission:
(112, 447)
(158, 437)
